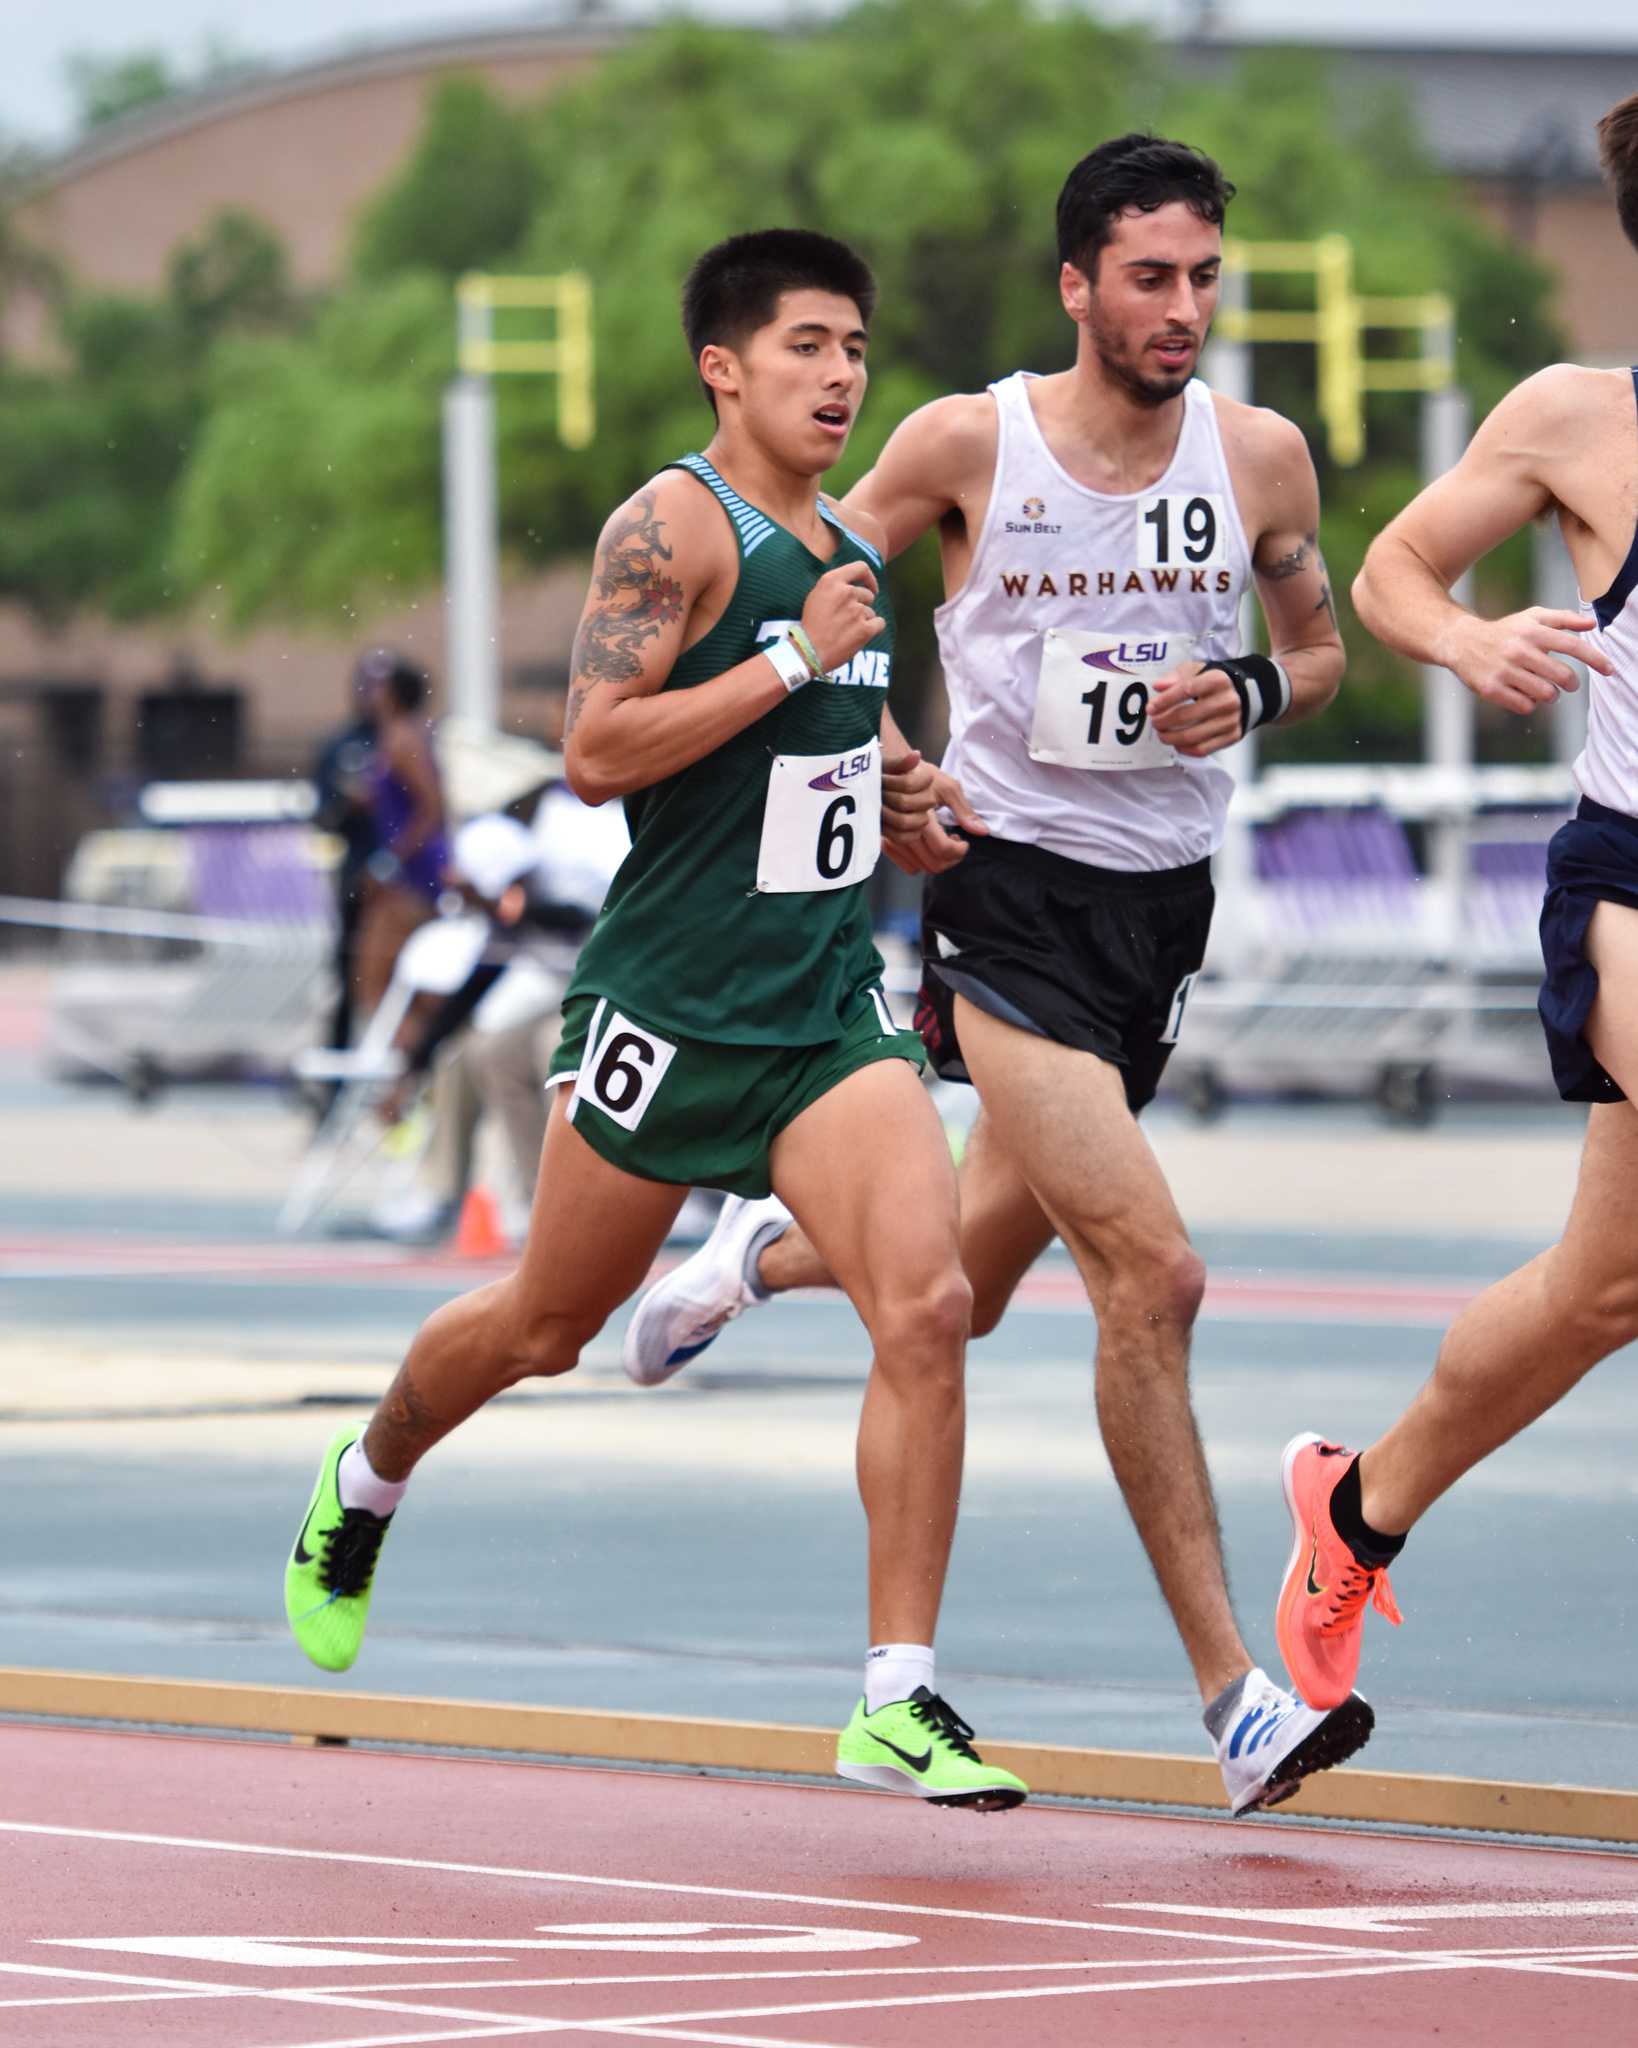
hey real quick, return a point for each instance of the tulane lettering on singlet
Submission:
(720, 924)
(1057, 559)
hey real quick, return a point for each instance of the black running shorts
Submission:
(1089, 957)
(1591, 860)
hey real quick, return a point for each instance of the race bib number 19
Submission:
(1092, 699)
(822, 823)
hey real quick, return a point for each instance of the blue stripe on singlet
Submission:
(1607, 609)
(753, 526)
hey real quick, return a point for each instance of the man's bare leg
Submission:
(867, 1173)
(1061, 1117)
(1524, 1343)
(593, 1234)
(1003, 1232)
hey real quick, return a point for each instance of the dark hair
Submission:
(735, 287)
(1618, 153)
(1134, 173)
(406, 682)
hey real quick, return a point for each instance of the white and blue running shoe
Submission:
(683, 1314)
(1268, 1741)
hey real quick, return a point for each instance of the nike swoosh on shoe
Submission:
(915, 1763)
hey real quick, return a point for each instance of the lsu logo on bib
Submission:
(1092, 698)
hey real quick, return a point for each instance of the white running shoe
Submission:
(1272, 1741)
(687, 1310)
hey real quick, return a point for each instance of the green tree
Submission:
(465, 200)
(865, 127)
(108, 88)
(313, 491)
(232, 277)
(91, 458)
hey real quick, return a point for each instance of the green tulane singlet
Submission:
(740, 914)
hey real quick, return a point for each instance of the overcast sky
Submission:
(39, 39)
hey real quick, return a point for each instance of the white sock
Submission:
(894, 1670)
(359, 1487)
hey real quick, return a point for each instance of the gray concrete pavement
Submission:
(700, 1549)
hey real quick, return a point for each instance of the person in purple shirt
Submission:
(406, 801)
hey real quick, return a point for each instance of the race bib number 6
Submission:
(1092, 698)
(621, 1069)
(822, 822)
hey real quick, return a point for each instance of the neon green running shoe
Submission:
(327, 1581)
(921, 1745)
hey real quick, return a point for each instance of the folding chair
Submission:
(434, 960)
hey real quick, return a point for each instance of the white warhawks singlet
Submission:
(1607, 767)
(1169, 560)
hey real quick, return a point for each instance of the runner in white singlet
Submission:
(1098, 527)
(1565, 442)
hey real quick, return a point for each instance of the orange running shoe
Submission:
(1321, 1615)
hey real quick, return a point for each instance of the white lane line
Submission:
(165, 1987)
(712, 1891)
(1389, 1919)
(1283, 1973)
(825, 1976)
(115, 1998)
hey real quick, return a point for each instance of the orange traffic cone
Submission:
(479, 1235)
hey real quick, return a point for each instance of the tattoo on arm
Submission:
(1294, 563)
(1326, 602)
(632, 600)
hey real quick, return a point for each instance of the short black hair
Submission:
(1134, 173)
(405, 681)
(1618, 153)
(736, 286)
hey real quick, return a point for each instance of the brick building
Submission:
(306, 148)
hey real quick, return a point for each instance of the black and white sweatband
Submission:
(1262, 686)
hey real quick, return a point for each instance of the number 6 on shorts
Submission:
(622, 1069)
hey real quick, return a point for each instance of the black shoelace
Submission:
(944, 1721)
(350, 1552)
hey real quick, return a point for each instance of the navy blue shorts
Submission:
(1591, 860)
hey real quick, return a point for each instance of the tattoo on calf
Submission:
(632, 600)
(403, 1429)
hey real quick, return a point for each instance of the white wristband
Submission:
(790, 664)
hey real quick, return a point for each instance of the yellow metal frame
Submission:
(568, 355)
(1336, 330)
(309, 1715)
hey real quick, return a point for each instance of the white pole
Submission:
(471, 551)
(1447, 717)
(1553, 576)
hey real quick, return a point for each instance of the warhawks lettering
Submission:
(1111, 582)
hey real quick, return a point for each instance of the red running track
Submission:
(199, 1893)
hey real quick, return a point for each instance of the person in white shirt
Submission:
(541, 886)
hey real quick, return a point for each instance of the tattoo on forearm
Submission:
(633, 600)
(1294, 563)
(1326, 602)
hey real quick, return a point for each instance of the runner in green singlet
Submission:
(726, 1025)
